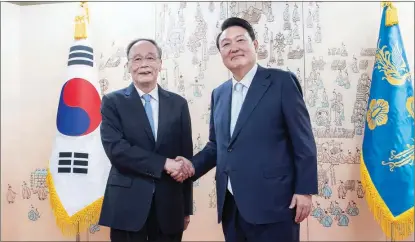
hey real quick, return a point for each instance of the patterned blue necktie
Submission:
(149, 111)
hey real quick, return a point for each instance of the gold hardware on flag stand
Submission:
(81, 22)
(391, 14)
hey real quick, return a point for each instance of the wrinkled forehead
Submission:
(233, 33)
(143, 48)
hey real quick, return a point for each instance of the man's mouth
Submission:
(234, 57)
(144, 73)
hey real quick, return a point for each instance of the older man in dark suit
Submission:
(144, 127)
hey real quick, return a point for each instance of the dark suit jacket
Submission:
(271, 154)
(138, 161)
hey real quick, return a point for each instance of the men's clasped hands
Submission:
(179, 169)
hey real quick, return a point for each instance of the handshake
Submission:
(179, 169)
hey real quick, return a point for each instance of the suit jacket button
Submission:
(230, 150)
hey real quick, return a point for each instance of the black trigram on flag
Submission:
(73, 162)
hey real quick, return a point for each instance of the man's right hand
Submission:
(179, 169)
(185, 171)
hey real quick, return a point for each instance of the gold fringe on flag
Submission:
(391, 14)
(80, 221)
(395, 228)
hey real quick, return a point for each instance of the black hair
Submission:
(234, 21)
(132, 43)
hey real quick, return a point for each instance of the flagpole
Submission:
(392, 234)
(78, 236)
(87, 235)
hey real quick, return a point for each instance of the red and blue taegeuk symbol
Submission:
(79, 108)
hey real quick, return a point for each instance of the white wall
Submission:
(10, 91)
(10, 78)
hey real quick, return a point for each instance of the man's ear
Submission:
(128, 67)
(256, 45)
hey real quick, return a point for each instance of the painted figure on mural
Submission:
(360, 192)
(206, 115)
(33, 214)
(342, 219)
(180, 86)
(199, 145)
(42, 192)
(352, 209)
(326, 219)
(26, 193)
(317, 212)
(212, 197)
(11, 195)
(309, 46)
(335, 208)
(319, 81)
(338, 108)
(312, 98)
(326, 190)
(197, 88)
(317, 37)
(94, 228)
(324, 99)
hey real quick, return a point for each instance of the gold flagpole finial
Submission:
(391, 14)
(84, 5)
(81, 21)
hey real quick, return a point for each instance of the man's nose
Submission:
(143, 65)
(234, 50)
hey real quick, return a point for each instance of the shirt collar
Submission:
(154, 93)
(247, 79)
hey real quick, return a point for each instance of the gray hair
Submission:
(132, 43)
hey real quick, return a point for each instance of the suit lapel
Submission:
(259, 85)
(163, 115)
(137, 104)
(227, 102)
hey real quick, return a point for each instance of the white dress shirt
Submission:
(154, 102)
(246, 83)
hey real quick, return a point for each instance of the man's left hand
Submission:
(186, 221)
(303, 204)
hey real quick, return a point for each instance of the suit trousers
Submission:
(236, 229)
(150, 232)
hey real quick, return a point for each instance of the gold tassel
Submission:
(391, 14)
(80, 23)
(81, 220)
(395, 228)
(80, 28)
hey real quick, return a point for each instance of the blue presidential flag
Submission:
(388, 146)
